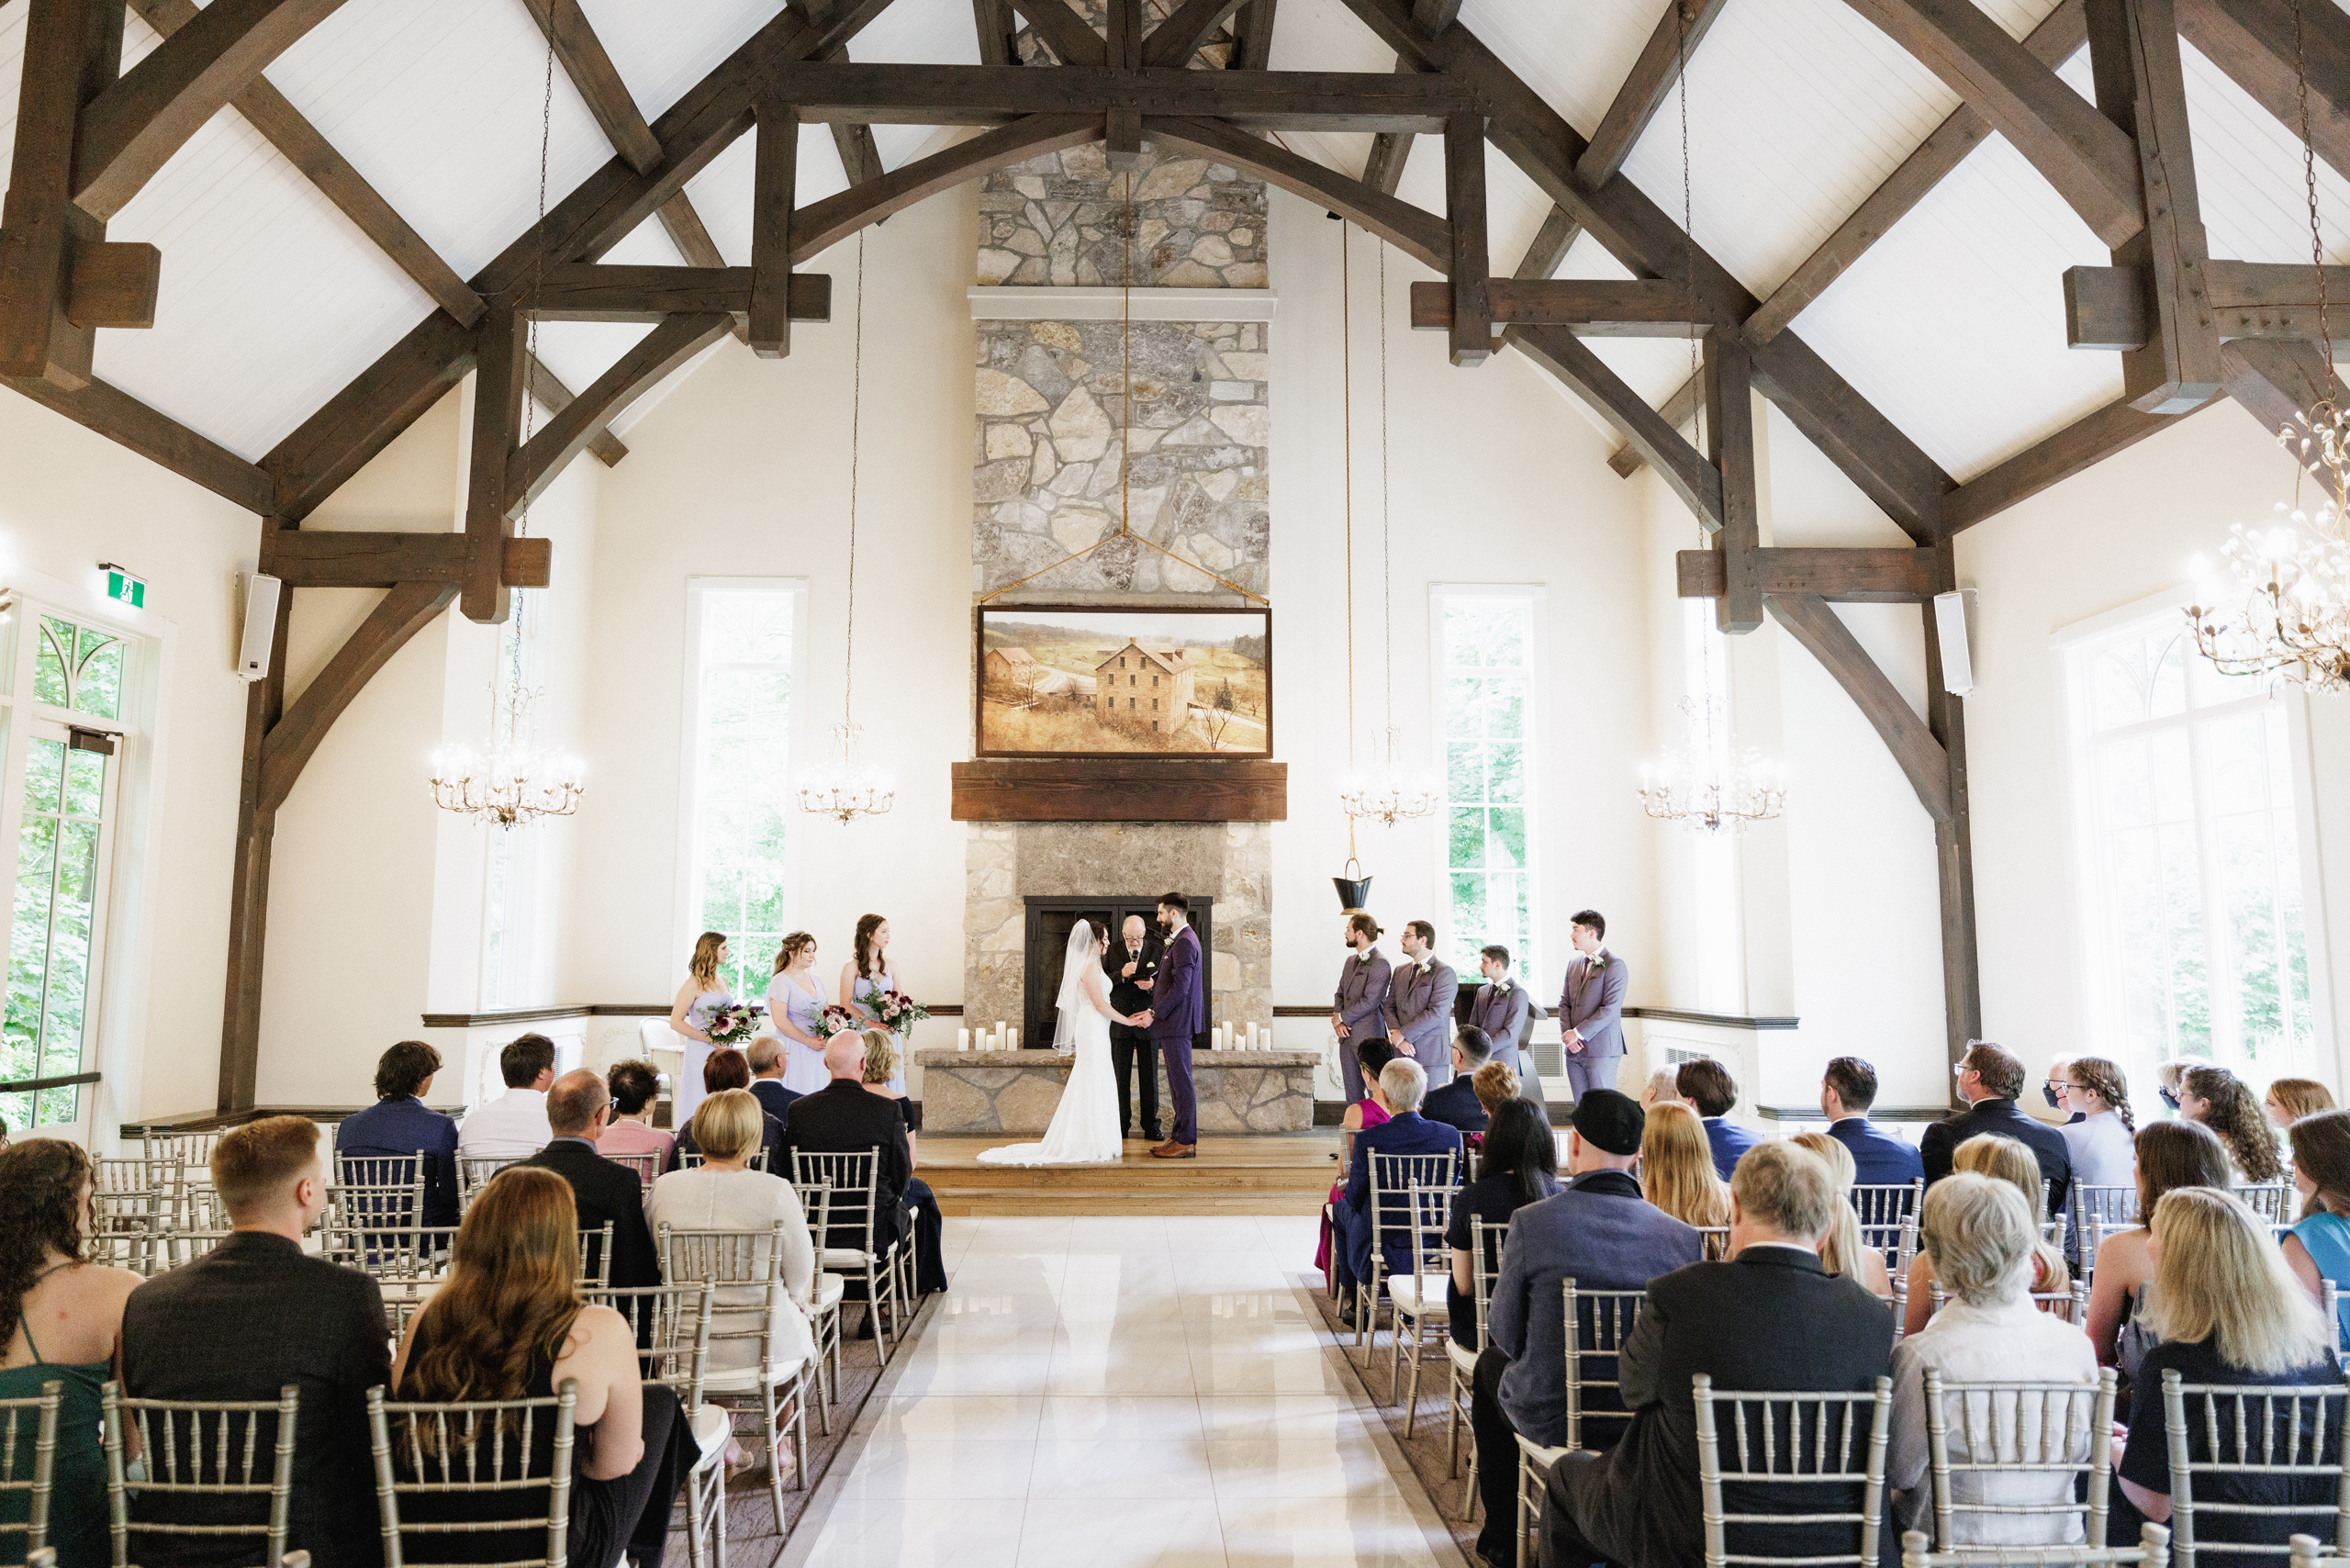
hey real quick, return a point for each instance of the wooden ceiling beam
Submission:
(73, 54)
(2252, 42)
(1058, 27)
(597, 291)
(294, 739)
(775, 181)
(1589, 308)
(991, 94)
(994, 23)
(1824, 635)
(1470, 282)
(1175, 40)
(2107, 308)
(549, 389)
(1834, 572)
(1548, 247)
(497, 431)
(128, 131)
(1415, 232)
(819, 225)
(591, 71)
(1893, 471)
(2083, 443)
(1390, 149)
(1678, 33)
(268, 111)
(1730, 447)
(1252, 38)
(1697, 481)
(2276, 381)
(1676, 411)
(2086, 156)
(162, 440)
(301, 559)
(543, 458)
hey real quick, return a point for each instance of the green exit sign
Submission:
(122, 585)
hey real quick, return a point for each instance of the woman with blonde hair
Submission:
(2230, 1312)
(703, 993)
(2224, 1102)
(1983, 1240)
(725, 1193)
(2291, 1099)
(1677, 1171)
(1495, 1084)
(2002, 1159)
(883, 1071)
(2171, 1155)
(1845, 1251)
(2318, 1248)
(508, 1323)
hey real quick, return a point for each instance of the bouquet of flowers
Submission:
(732, 1023)
(896, 1010)
(834, 1020)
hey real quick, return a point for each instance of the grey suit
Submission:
(1594, 1007)
(1360, 1004)
(1505, 1015)
(1419, 1015)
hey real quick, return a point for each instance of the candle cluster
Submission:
(1002, 1037)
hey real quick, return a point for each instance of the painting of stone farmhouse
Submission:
(1095, 681)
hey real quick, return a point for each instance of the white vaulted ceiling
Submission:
(1797, 109)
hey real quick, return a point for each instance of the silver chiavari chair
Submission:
(172, 1160)
(425, 1451)
(646, 1166)
(2071, 1305)
(2228, 1437)
(2272, 1200)
(1392, 1176)
(1887, 1204)
(825, 1294)
(596, 1257)
(691, 1159)
(1484, 1267)
(1597, 1325)
(474, 1174)
(199, 1450)
(852, 1243)
(2055, 1431)
(2153, 1550)
(1793, 1438)
(2100, 1210)
(123, 1233)
(1715, 1241)
(1421, 1301)
(747, 1268)
(29, 1425)
(672, 1325)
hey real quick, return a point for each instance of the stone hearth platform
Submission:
(988, 1092)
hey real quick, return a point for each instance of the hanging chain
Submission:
(1386, 549)
(538, 269)
(1689, 282)
(855, 438)
(1346, 424)
(1127, 366)
(2309, 182)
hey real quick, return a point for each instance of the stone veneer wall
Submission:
(1056, 220)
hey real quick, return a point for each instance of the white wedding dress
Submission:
(1085, 1129)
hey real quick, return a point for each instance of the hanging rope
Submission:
(1386, 545)
(856, 444)
(1347, 425)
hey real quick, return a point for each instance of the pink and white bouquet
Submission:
(896, 1010)
(732, 1023)
(834, 1020)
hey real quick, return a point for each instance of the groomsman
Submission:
(1132, 963)
(1358, 1013)
(1419, 1002)
(1500, 1009)
(1591, 1008)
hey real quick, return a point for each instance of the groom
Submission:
(1178, 1009)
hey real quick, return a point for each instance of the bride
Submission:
(1085, 1129)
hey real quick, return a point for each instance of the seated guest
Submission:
(578, 1110)
(249, 1318)
(399, 1126)
(1371, 1058)
(1519, 1166)
(1988, 1081)
(1496, 1085)
(62, 1317)
(1456, 1104)
(2170, 1155)
(2317, 1249)
(2002, 1159)
(514, 1125)
(2291, 1099)
(1663, 1084)
(845, 1118)
(508, 1323)
(2224, 1102)
(2098, 1143)
(1707, 1089)
(1845, 1251)
(1770, 1318)
(1596, 1232)
(2229, 1311)
(765, 1057)
(881, 1065)
(2168, 1076)
(1403, 1084)
(1677, 1171)
(634, 1087)
(725, 1193)
(1982, 1238)
(2057, 1087)
(726, 1067)
(1879, 1159)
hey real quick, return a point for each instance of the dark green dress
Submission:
(77, 1485)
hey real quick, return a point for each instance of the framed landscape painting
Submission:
(1089, 680)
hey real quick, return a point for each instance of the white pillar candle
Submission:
(962, 1039)
(1252, 1037)
(1014, 1038)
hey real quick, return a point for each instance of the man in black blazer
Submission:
(1989, 1080)
(1456, 1104)
(249, 1318)
(765, 1057)
(845, 1117)
(1131, 962)
(1772, 1318)
(578, 1110)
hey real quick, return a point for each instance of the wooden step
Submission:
(1266, 1175)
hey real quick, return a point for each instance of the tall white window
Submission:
(2184, 794)
(66, 687)
(1489, 643)
(744, 639)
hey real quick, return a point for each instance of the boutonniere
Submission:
(1366, 955)
(1598, 962)
(1427, 963)
(1501, 988)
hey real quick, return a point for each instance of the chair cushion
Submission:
(1463, 1361)
(1536, 1455)
(848, 1257)
(829, 1290)
(1405, 1293)
(746, 1380)
(709, 1426)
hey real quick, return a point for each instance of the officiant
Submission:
(1132, 964)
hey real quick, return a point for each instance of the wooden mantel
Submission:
(1120, 789)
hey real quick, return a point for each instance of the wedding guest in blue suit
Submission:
(1846, 1093)
(400, 1124)
(1710, 1091)
(1403, 1084)
(1456, 1104)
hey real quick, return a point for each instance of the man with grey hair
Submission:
(1772, 1318)
(578, 1110)
(1981, 1236)
(765, 1057)
(1403, 1084)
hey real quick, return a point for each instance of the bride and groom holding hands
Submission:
(1086, 1127)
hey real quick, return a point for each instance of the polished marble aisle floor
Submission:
(1116, 1393)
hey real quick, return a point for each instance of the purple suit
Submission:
(1178, 1010)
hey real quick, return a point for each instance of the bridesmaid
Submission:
(703, 992)
(795, 998)
(869, 972)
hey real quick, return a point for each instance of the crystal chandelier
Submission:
(844, 788)
(1385, 794)
(1707, 788)
(2293, 620)
(515, 784)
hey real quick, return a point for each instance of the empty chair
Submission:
(483, 1480)
(822, 1305)
(1808, 1470)
(1420, 1301)
(209, 1469)
(596, 1257)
